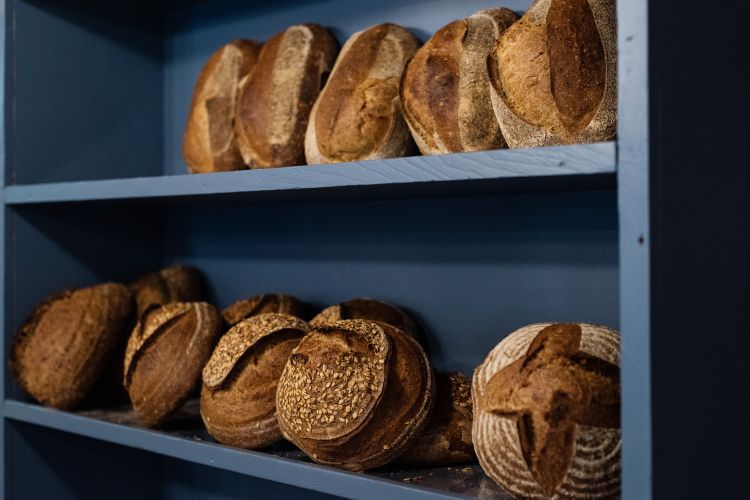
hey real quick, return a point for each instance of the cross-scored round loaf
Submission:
(445, 92)
(238, 398)
(60, 351)
(176, 283)
(355, 394)
(447, 437)
(554, 74)
(165, 355)
(265, 303)
(210, 143)
(547, 412)
(373, 310)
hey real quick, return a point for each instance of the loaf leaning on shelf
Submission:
(210, 143)
(445, 92)
(547, 412)
(275, 99)
(358, 114)
(554, 74)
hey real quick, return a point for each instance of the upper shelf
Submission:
(580, 166)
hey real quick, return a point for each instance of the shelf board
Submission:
(580, 166)
(184, 437)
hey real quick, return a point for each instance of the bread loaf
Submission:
(373, 310)
(60, 351)
(554, 74)
(445, 93)
(447, 437)
(358, 115)
(276, 97)
(238, 399)
(547, 412)
(176, 283)
(165, 355)
(210, 143)
(265, 303)
(355, 394)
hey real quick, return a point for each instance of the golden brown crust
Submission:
(554, 74)
(210, 144)
(238, 399)
(65, 344)
(374, 310)
(176, 283)
(165, 355)
(546, 404)
(276, 97)
(445, 91)
(447, 437)
(265, 303)
(358, 115)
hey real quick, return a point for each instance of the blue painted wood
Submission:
(545, 168)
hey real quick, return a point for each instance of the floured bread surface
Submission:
(547, 412)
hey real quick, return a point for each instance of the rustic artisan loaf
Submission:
(374, 310)
(355, 394)
(447, 437)
(554, 74)
(65, 344)
(165, 355)
(238, 399)
(358, 115)
(276, 97)
(172, 284)
(445, 92)
(547, 412)
(265, 303)
(210, 143)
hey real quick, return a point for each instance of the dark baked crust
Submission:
(370, 309)
(60, 351)
(176, 283)
(264, 303)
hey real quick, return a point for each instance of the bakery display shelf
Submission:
(185, 438)
(581, 166)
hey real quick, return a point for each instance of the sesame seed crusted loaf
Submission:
(60, 351)
(176, 283)
(447, 438)
(264, 303)
(355, 394)
(165, 355)
(373, 310)
(238, 399)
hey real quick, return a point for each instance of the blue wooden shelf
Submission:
(554, 168)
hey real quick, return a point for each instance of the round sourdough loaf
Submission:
(355, 394)
(373, 310)
(275, 99)
(165, 355)
(358, 115)
(210, 144)
(60, 351)
(265, 303)
(447, 437)
(445, 92)
(547, 412)
(172, 284)
(554, 74)
(238, 399)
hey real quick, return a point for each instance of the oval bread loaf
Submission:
(547, 412)
(264, 303)
(176, 283)
(445, 92)
(358, 114)
(275, 99)
(554, 74)
(369, 309)
(210, 143)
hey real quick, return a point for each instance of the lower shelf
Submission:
(185, 438)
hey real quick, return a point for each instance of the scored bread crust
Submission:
(238, 398)
(63, 347)
(209, 143)
(276, 98)
(176, 283)
(445, 91)
(594, 469)
(264, 303)
(543, 93)
(370, 309)
(358, 115)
